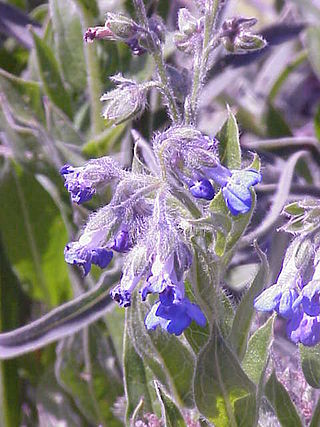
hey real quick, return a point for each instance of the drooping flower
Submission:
(81, 182)
(75, 253)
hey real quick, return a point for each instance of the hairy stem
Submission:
(201, 62)
(157, 54)
(93, 75)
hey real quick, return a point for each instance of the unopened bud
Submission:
(189, 33)
(236, 36)
(125, 102)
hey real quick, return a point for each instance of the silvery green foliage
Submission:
(166, 236)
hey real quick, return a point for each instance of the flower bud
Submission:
(125, 102)
(118, 28)
(190, 30)
(237, 38)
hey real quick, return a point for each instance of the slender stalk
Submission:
(157, 54)
(200, 62)
(93, 75)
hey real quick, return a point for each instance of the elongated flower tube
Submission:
(82, 182)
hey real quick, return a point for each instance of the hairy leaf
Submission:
(245, 311)
(229, 146)
(170, 412)
(50, 76)
(223, 392)
(135, 380)
(281, 402)
(310, 363)
(255, 359)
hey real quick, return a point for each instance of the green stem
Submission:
(157, 54)
(200, 63)
(93, 75)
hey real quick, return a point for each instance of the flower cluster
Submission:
(192, 158)
(296, 294)
(140, 222)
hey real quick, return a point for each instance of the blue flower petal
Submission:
(202, 189)
(151, 320)
(287, 299)
(101, 257)
(121, 242)
(239, 203)
(178, 325)
(246, 177)
(196, 314)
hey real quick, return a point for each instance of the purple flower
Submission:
(81, 190)
(168, 273)
(74, 253)
(81, 182)
(277, 298)
(304, 329)
(235, 186)
(202, 189)
(121, 241)
(173, 314)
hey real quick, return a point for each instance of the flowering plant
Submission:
(159, 219)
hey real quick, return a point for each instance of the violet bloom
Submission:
(277, 298)
(235, 186)
(76, 254)
(309, 298)
(201, 189)
(304, 329)
(81, 190)
(81, 182)
(88, 250)
(121, 241)
(173, 313)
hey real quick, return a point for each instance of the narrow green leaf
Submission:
(35, 236)
(256, 356)
(50, 76)
(281, 402)
(240, 224)
(24, 97)
(276, 124)
(315, 421)
(223, 392)
(310, 363)
(135, 380)
(229, 145)
(170, 412)
(69, 42)
(245, 311)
